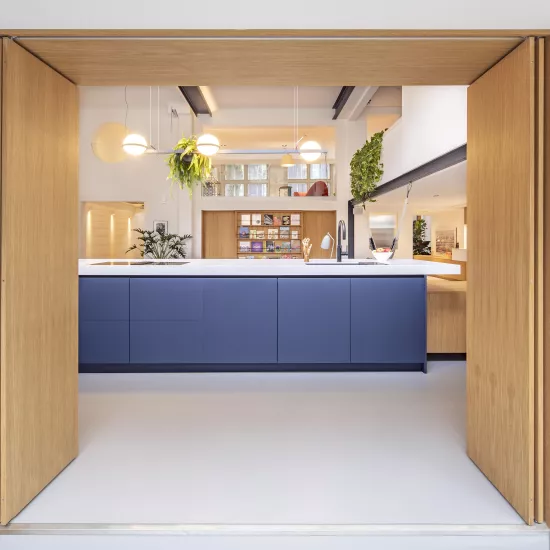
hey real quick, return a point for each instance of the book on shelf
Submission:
(295, 245)
(244, 246)
(286, 257)
(257, 246)
(295, 219)
(253, 233)
(286, 220)
(244, 232)
(295, 234)
(272, 233)
(246, 258)
(245, 219)
(277, 247)
(285, 246)
(268, 219)
(277, 220)
(256, 219)
(284, 232)
(269, 246)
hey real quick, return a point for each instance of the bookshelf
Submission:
(269, 234)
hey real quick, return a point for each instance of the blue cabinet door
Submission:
(388, 320)
(104, 314)
(240, 320)
(166, 320)
(314, 320)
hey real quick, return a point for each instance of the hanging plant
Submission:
(366, 169)
(188, 167)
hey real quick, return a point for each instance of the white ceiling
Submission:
(449, 185)
(272, 137)
(276, 97)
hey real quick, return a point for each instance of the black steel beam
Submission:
(341, 100)
(436, 165)
(194, 97)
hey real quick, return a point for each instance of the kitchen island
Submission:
(253, 315)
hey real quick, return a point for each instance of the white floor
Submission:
(330, 448)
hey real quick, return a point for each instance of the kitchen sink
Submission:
(359, 262)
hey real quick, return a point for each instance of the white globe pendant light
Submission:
(310, 151)
(208, 145)
(134, 145)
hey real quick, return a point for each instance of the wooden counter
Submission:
(446, 310)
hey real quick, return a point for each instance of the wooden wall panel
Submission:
(271, 62)
(546, 182)
(219, 237)
(316, 225)
(539, 281)
(501, 270)
(39, 288)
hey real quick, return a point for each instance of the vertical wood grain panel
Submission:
(39, 292)
(219, 234)
(539, 283)
(316, 225)
(501, 271)
(546, 181)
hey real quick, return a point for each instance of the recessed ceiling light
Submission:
(436, 195)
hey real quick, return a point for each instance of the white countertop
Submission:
(265, 268)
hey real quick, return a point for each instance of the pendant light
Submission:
(208, 145)
(286, 160)
(133, 144)
(310, 151)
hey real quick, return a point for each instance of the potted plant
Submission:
(160, 245)
(187, 165)
(366, 169)
(421, 247)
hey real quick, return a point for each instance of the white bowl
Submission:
(382, 256)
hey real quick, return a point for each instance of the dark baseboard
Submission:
(253, 367)
(446, 357)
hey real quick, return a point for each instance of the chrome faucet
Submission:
(341, 234)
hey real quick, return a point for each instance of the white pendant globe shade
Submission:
(106, 142)
(208, 145)
(287, 161)
(310, 151)
(134, 145)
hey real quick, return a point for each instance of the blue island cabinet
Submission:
(104, 314)
(203, 320)
(388, 321)
(314, 320)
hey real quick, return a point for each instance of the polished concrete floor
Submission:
(330, 448)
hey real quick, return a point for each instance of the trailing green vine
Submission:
(366, 168)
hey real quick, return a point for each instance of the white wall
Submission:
(138, 178)
(433, 122)
(289, 14)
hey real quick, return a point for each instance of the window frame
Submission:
(245, 181)
(309, 181)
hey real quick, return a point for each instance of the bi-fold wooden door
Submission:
(39, 277)
(504, 304)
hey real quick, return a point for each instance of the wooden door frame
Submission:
(327, 34)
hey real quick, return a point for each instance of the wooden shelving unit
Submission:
(269, 235)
